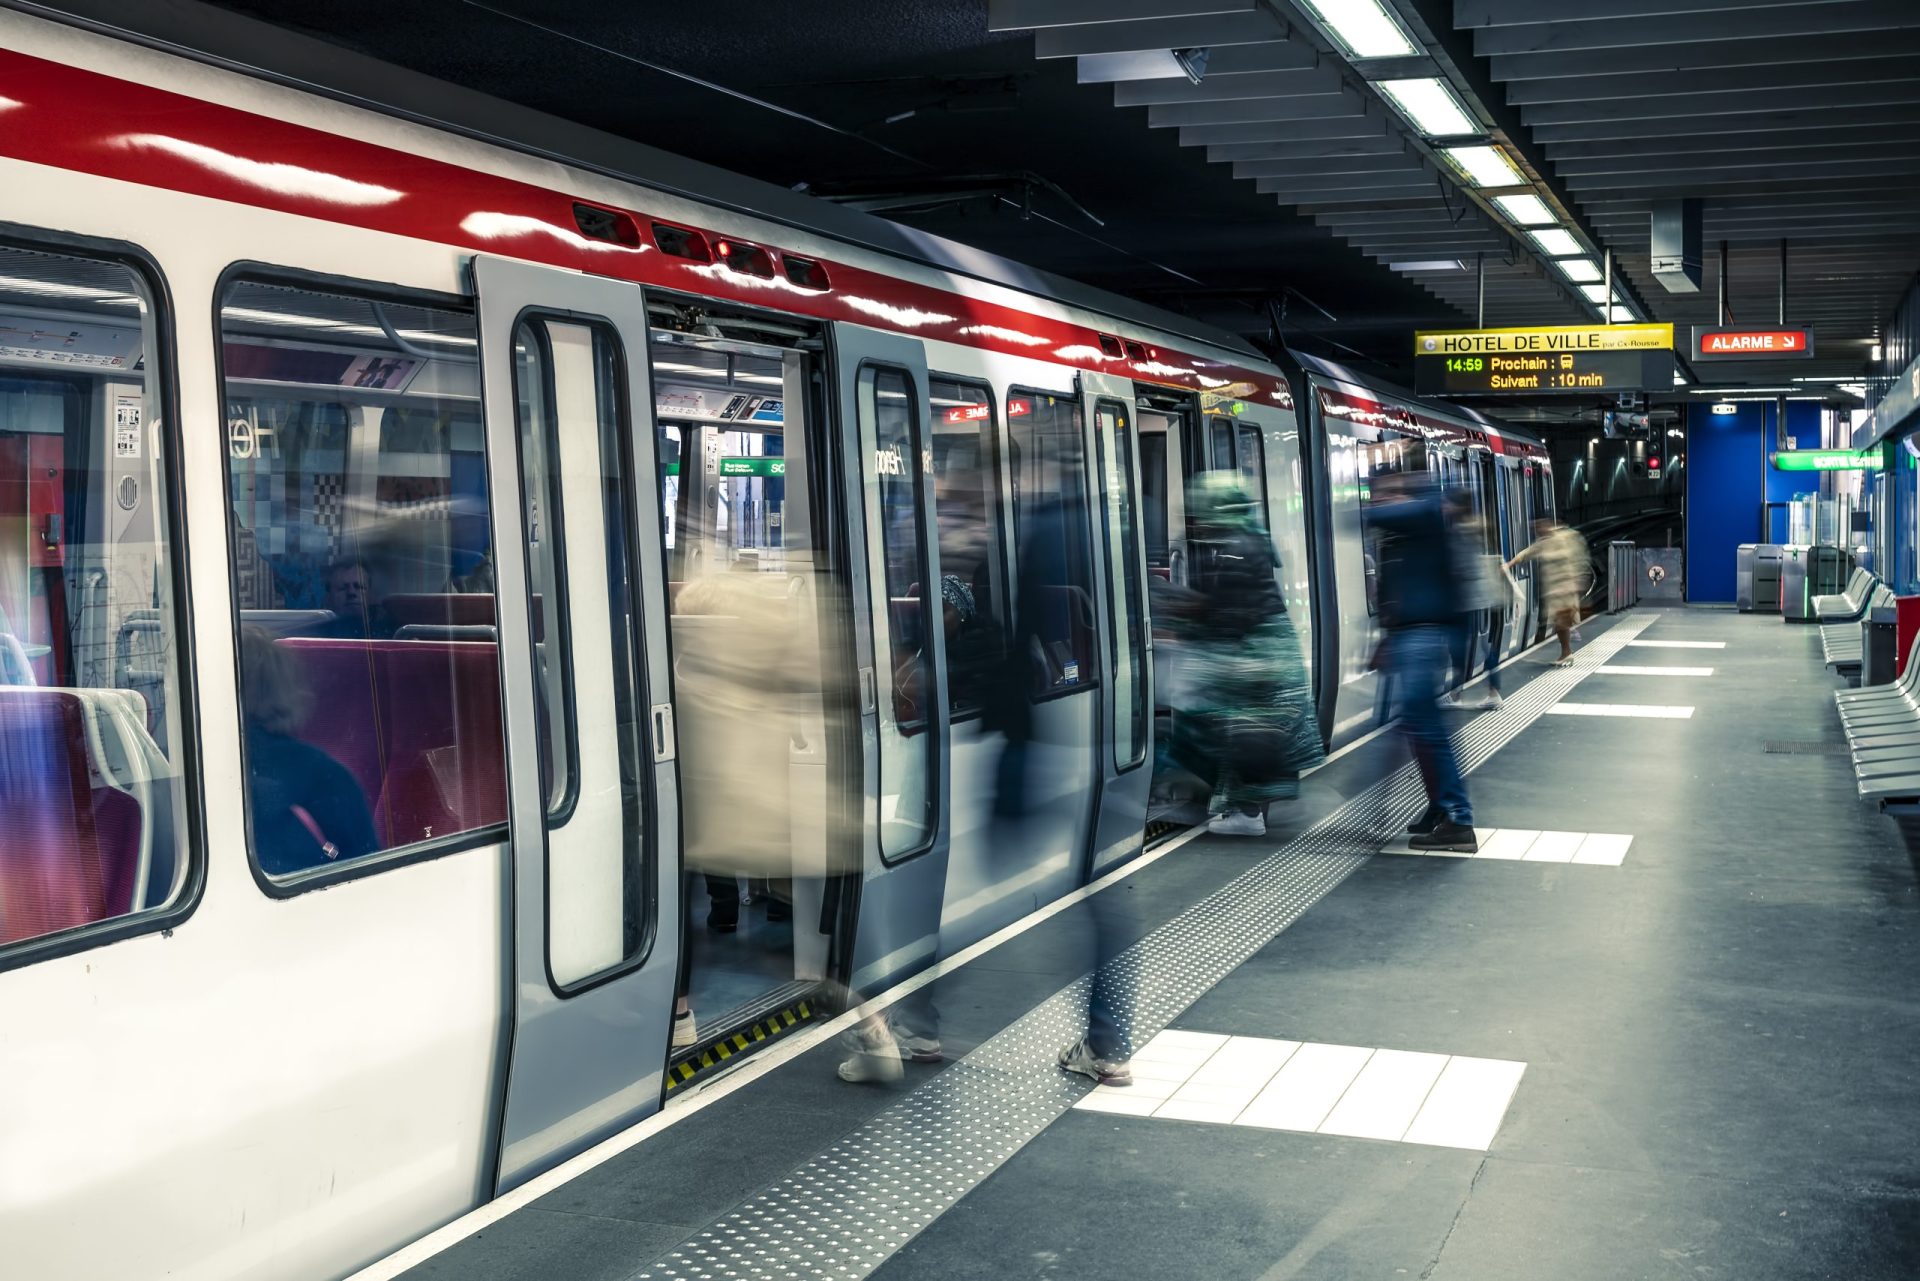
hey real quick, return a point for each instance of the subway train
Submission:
(459, 602)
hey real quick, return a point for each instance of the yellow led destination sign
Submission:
(1562, 338)
(1592, 359)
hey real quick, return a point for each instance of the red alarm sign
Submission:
(1718, 342)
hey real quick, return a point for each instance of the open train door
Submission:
(899, 640)
(1124, 745)
(592, 900)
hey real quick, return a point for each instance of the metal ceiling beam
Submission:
(1022, 15)
(1841, 117)
(1696, 59)
(1367, 124)
(1727, 144)
(1607, 195)
(1391, 163)
(1788, 159)
(1228, 60)
(1330, 189)
(1789, 74)
(1699, 180)
(1258, 84)
(1504, 13)
(1312, 149)
(1683, 105)
(1253, 27)
(1318, 107)
(1856, 16)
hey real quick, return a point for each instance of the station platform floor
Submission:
(1665, 1027)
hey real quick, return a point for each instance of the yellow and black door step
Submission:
(704, 1059)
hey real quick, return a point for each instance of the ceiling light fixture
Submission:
(1528, 211)
(1557, 243)
(1595, 294)
(1428, 264)
(1193, 62)
(1875, 357)
(1578, 270)
(1431, 104)
(1487, 166)
(1363, 28)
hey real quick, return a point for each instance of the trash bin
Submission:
(1877, 646)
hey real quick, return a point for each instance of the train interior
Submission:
(750, 561)
(90, 718)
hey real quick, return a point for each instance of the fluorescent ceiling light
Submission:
(1436, 111)
(1595, 294)
(1428, 264)
(1487, 166)
(1577, 269)
(1621, 315)
(1528, 211)
(1557, 243)
(1363, 28)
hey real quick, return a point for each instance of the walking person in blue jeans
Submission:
(1422, 599)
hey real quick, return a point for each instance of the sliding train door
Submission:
(594, 905)
(899, 638)
(1123, 748)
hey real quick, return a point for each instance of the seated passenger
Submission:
(306, 808)
(349, 596)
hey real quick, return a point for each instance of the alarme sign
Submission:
(1721, 342)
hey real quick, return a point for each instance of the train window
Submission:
(966, 480)
(891, 425)
(568, 377)
(1153, 486)
(357, 474)
(1220, 442)
(1253, 464)
(1055, 606)
(92, 713)
(1128, 641)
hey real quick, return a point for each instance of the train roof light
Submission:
(1363, 28)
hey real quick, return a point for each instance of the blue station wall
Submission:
(1726, 455)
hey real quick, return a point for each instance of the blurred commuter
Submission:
(1245, 719)
(305, 808)
(1421, 601)
(1484, 592)
(1562, 556)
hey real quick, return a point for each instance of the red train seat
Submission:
(419, 725)
(69, 851)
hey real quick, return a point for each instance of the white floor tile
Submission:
(1148, 1087)
(1620, 709)
(1678, 644)
(1467, 1104)
(1555, 847)
(1306, 1089)
(1628, 669)
(1238, 1096)
(1174, 1074)
(1386, 1096)
(1245, 1061)
(1508, 842)
(1119, 1102)
(1604, 849)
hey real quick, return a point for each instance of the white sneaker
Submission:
(917, 1048)
(686, 1034)
(875, 1058)
(1491, 703)
(1234, 823)
(1079, 1057)
(1453, 698)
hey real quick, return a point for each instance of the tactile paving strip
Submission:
(848, 1210)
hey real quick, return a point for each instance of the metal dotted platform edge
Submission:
(848, 1210)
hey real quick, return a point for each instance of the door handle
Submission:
(662, 732)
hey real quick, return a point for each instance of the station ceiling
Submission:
(1282, 188)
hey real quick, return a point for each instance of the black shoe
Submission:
(1448, 837)
(1426, 822)
(779, 910)
(724, 918)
